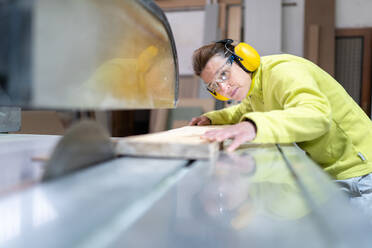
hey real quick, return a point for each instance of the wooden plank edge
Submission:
(161, 150)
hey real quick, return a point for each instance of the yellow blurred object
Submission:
(146, 58)
(145, 61)
(134, 81)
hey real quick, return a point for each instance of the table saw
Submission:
(86, 189)
(261, 196)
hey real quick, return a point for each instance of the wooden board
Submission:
(182, 142)
(169, 5)
(320, 23)
(234, 24)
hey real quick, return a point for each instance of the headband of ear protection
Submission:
(245, 56)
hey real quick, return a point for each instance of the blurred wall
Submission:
(353, 13)
(273, 26)
(293, 27)
(188, 32)
(262, 25)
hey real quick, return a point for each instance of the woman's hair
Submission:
(202, 55)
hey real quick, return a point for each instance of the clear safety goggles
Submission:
(221, 77)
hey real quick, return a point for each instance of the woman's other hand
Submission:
(200, 121)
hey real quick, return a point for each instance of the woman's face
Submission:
(229, 79)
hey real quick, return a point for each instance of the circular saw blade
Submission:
(86, 143)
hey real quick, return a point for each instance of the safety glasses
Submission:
(221, 77)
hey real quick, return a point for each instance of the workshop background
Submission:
(265, 195)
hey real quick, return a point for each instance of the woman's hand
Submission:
(200, 121)
(239, 133)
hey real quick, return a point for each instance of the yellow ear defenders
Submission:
(245, 56)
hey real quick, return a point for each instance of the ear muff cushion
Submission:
(251, 58)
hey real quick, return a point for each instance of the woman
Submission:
(285, 99)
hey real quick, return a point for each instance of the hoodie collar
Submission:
(256, 83)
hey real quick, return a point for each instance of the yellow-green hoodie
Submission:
(293, 100)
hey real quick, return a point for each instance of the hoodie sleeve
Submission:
(304, 112)
(230, 115)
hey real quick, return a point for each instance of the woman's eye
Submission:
(223, 75)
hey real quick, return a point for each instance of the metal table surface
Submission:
(75, 210)
(259, 196)
(18, 169)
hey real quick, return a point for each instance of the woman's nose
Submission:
(224, 87)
